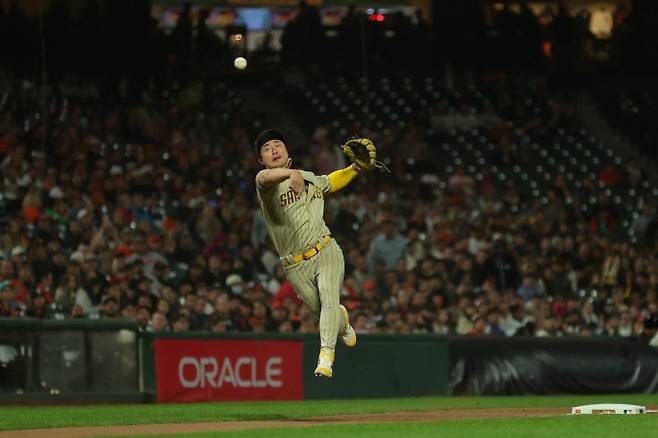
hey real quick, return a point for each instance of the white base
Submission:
(609, 409)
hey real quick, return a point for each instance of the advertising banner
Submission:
(228, 370)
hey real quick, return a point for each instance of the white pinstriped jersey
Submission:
(295, 222)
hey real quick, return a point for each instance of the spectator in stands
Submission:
(529, 288)
(159, 322)
(71, 293)
(643, 221)
(502, 265)
(444, 324)
(8, 306)
(387, 248)
(110, 308)
(181, 324)
(142, 317)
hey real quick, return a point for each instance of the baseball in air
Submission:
(240, 63)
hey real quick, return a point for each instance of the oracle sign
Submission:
(243, 372)
(214, 370)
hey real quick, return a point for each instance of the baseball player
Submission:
(292, 202)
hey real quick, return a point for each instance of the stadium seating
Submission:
(568, 149)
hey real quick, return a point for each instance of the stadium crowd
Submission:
(148, 212)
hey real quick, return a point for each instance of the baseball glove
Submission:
(363, 153)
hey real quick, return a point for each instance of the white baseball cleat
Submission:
(347, 335)
(325, 361)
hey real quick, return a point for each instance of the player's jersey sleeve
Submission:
(320, 181)
(324, 183)
(260, 188)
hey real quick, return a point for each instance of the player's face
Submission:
(274, 154)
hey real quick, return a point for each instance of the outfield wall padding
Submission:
(381, 366)
(103, 361)
(573, 365)
(52, 361)
(209, 367)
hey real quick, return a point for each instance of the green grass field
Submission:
(29, 417)
(555, 427)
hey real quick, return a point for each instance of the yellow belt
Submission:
(308, 254)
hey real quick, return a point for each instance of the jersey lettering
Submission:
(288, 198)
(295, 222)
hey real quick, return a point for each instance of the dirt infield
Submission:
(396, 417)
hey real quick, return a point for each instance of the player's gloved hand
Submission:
(363, 153)
(296, 182)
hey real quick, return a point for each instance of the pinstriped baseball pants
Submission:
(318, 282)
